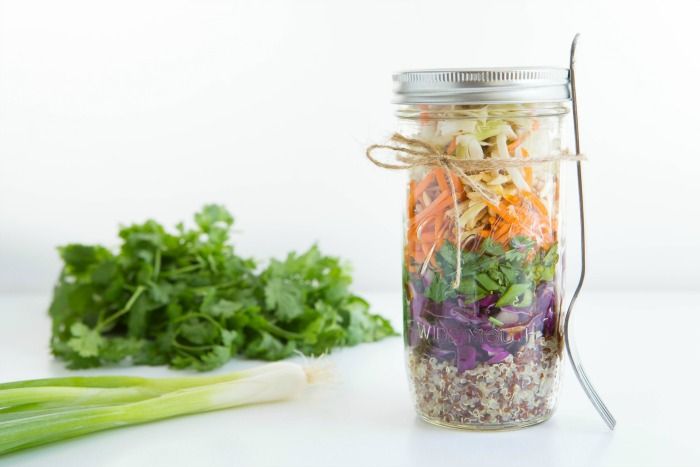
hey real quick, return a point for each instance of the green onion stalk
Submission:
(38, 412)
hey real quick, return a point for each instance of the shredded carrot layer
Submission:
(441, 180)
(431, 217)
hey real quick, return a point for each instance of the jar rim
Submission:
(476, 111)
(507, 85)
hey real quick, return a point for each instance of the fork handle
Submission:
(571, 349)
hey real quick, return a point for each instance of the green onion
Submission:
(495, 321)
(486, 282)
(519, 295)
(43, 411)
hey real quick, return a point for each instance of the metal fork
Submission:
(570, 346)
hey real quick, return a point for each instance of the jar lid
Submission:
(482, 86)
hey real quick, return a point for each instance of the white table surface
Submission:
(640, 348)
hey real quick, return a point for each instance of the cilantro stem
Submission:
(195, 314)
(190, 347)
(279, 332)
(224, 285)
(262, 323)
(135, 296)
(156, 266)
(182, 270)
(212, 264)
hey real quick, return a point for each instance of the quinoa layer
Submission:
(521, 389)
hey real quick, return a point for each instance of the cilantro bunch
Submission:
(185, 299)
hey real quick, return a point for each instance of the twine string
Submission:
(411, 153)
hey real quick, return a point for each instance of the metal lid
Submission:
(482, 86)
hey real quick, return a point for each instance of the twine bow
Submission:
(413, 153)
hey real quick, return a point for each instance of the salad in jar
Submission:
(482, 289)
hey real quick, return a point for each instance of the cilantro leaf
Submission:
(213, 216)
(85, 341)
(439, 290)
(490, 247)
(285, 297)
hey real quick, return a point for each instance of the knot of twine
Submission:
(411, 153)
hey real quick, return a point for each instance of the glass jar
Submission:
(482, 245)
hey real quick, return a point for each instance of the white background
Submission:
(115, 111)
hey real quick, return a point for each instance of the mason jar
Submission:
(482, 272)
